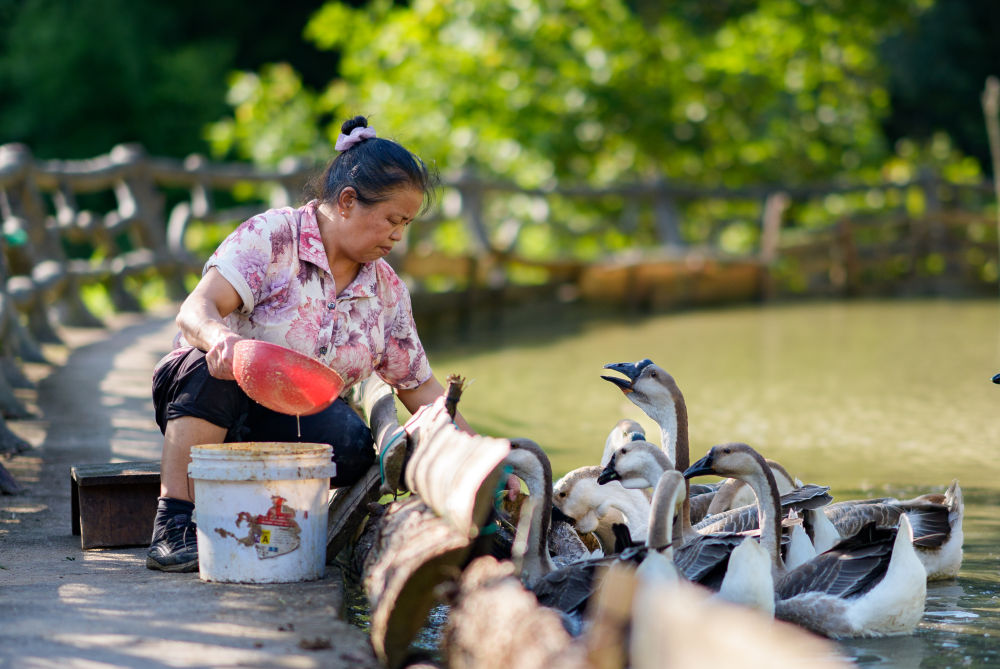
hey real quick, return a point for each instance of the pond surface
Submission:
(872, 398)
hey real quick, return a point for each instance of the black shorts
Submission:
(182, 386)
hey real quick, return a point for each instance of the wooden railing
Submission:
(125, 218)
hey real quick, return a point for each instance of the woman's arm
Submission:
(200, 321)
(426, 393)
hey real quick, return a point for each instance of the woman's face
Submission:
(372, 230)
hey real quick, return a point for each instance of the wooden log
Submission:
(346, 511)
(348, 506)
(425, 540)
(414, 551)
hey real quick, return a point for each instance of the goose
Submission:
(869, 585)
(494, 622)
(677, 624)
(656, 392)
(549, 540)
(936, 519)
(596, 508)
(570, 589)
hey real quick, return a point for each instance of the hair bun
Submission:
(351, 124)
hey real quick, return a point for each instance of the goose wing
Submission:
(739, 519)
(808, 496)
(744, 518)
(705, 558)
(569, 588)
(699, 506)
(931, 521)
(849, 569)
(699, 489)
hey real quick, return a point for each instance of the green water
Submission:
(872, 398)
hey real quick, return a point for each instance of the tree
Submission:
(76, 78)
(594, 90)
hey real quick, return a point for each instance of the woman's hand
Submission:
(200, 320)
(220, 357)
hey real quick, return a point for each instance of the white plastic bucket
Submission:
(261, 511)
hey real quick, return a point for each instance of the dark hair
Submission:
(374, 168)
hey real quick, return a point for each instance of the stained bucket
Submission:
(261, 511)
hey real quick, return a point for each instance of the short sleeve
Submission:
(404, 364)
(243, 258)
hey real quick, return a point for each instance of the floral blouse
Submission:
(277, 264)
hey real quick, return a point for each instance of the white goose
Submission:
(872, 584)
(596, 508)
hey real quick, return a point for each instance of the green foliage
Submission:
(603, 92)
(538, 90)
(81, 77)
(274, 117)
(76, 78)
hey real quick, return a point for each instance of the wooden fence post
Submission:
(775, 205)
(666, 217)
(138, 197)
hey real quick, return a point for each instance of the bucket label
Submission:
(274, 533)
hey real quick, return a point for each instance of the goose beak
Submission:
(996, 378)
(701, 468)
(608, 474)
(630, 369)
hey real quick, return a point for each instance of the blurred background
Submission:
(727, 91)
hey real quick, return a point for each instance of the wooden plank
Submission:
(121, 473)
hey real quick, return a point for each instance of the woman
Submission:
(313, 279)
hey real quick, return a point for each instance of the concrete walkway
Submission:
(61, 606)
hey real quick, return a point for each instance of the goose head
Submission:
(624, 431)
(576, 495)
(996, 378)
(655, 391)
(591, 505)
(645, 384)
(637, 464)
(734, 460)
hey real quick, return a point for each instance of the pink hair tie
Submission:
(358, 135)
